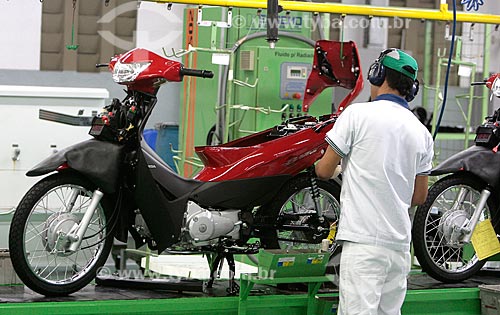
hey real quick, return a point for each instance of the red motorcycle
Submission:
(256, 186)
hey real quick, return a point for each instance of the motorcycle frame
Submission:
(145, 182)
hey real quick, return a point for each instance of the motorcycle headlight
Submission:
(128, 72)
(495, 87)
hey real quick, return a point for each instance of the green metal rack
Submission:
(247, 282)
(457, 301)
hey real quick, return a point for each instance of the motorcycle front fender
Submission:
(98, 161)
(480, 161)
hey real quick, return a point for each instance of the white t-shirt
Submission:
(383, 146)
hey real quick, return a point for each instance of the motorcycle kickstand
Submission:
(215, 271)
(215, 266)
(233, 288)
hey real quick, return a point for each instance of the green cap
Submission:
(400, 61)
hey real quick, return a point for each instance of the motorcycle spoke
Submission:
(444, 203)
(301, 211)
(442, 257)
(434, 224)
(53, 270)
(445, 256)
(40, 256)
(439, 243)
(45, 205)
(51, 215)
(37, 250)
(48, 265)
(61, 199)
(35, 235)
(82, 205)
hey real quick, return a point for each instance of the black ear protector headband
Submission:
(376, 75)
(414, 91)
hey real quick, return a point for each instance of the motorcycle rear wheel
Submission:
(37, 252)
(293, 207)
(442, 260)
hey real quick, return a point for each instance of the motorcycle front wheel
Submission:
(296, 221)
(37, 245)
(439, 256)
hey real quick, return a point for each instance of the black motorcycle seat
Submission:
(171, 181)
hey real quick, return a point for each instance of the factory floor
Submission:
(425, 296)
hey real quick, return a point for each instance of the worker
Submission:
(386, 157)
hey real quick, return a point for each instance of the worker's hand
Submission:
(337, 171)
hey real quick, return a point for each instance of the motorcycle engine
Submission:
(204, 225)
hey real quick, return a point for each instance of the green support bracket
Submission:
(247, 281)
(427, 64)
(213, 38)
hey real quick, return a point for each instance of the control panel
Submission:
(293, 79)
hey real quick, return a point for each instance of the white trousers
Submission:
(372, 280)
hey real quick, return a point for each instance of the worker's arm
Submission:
(420, 190)
(325, 168)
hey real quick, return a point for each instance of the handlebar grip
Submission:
(478, 83)
(197, 73)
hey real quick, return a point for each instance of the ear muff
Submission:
(376, 73)
(413, 91)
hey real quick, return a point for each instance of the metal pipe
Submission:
(272, 22)
(7, 211)
(367, 10)
(435, 111)
(227, 99)
(427, 64)
(486, 69)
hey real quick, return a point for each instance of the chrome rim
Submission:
(445, 213)
(300, 207)
(54, 215)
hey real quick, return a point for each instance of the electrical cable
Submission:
(470, 4)
(450, 56)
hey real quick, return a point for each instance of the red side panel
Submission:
(335, 64)
(273, 156)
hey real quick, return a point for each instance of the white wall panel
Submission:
(20, 33)
(19, 111)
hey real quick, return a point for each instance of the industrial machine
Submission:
(257, 87)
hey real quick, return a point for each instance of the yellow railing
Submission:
(443, 14)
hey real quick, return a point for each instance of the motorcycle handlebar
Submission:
(197, 73)
(478, 83)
